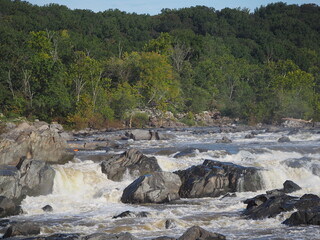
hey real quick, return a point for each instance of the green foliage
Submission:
(138, 119)
(94, 68)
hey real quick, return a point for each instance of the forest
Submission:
(83, 68)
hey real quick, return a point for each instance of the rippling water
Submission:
(84, 200)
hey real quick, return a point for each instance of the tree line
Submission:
(88, 69)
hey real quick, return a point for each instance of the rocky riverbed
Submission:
(234, 182)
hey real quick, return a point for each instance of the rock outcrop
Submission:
(38, 141)
(159, 187)
(214, 178)
(131, 162)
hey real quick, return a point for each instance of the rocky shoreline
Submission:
(28, 150)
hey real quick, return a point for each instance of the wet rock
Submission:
(170, 223)
(290, 187)
(164, 238)
(62, 236)
(284, 139)
(160, 187)
(214, 178)
(309, 216)
(249, 136)
(132, 215)
(8, 207)
(43, 143)
(132, 162)
(22, 229)
(224, 140)
(36, 177)
(190, 152)
(47, 208)
(9, 182)
(198, 233)
(104, 236)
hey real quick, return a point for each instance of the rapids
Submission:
(84, 200)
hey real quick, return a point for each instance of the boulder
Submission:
(170, 223)
(214, 178)
(43, 143)
(132, 215)
(104, 236)
(284, 139)
(47, 208)
(8, 207)
(309, 216)
(132, 162)
(198, 233)
(290, 187)
(139, 134)
(22, 229)
(9, 182)
(224, 140)
(159, 187)
(36, 177)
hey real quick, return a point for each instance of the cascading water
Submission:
(84, 200)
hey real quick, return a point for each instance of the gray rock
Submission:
(9, 182)
(132, 215)
(8, 207)
(26, 140)
(224, 140)
(47, 208)
(309, 216)
(132, 162)
(159, 187)
(170, 223)
(104, 236)
(214, 178)
(139, 134)
(198, 233)
(36, 177)
(22, 229)
(289, 187)
(284, 139)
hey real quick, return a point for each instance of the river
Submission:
(84, 200)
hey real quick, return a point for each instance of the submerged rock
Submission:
(132, 214)
(198, 233)
(214, 178)
(284, 139)
(47, 208)
(22, 229)
(224, 140)
(131, 162)
(159, 187)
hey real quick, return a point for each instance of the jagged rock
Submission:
(9, 182)
(284, 139)
(104, 236)
(159, 187)
(132, 215)
(309, 216)
(36, 177)
(22, 229)
(132, 162)
(8, 207)
(170, 223)
(289, 187)
(214, 178)
(198, 233)
(43, 143)
(224, 140)
(47, 208)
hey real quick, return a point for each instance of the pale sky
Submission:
(154, 7)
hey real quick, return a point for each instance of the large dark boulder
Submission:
(36, 177)
(214, 178)
(198, 233)
(309, 216)
(131, 214)
(22, 229)
(158, 187)
(132, 162)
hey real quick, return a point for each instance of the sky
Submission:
(154, 7)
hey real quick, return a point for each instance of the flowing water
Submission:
(84, 200)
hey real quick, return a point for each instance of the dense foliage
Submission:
(86, 68)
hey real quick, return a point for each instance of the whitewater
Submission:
(84, 200)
